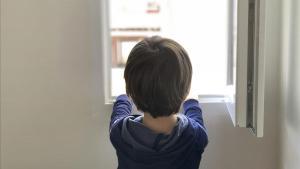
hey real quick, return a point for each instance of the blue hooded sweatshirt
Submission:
(138, 147)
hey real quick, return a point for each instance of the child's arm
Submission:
(193, 111)
(122, 108)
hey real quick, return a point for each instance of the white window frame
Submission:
(106, 51)
(246, 108)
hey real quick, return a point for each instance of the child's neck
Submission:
(160, 124)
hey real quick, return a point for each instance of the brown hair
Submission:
(158, 76)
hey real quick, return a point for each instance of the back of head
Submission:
(158, 75)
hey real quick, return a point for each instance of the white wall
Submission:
(52, 114)
(52, 111)
(290, 115)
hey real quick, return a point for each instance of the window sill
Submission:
(203, 99)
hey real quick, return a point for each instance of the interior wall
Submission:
(52, 94)
(52, 111)
(290, 126)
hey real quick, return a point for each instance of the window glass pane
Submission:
(199, 26)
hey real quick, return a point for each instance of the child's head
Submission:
(158, 76)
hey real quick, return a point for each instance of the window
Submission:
(246, 45)
(224, 42)
(201, 30)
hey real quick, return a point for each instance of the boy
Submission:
(158, 76)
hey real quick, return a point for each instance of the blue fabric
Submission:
(135, 133)
(138, 147)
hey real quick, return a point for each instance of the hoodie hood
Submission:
(141, 138)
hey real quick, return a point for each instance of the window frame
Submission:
(247, 106)
(238, 104)
(107, 62)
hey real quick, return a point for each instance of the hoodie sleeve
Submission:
(121, 109)
(193, 111)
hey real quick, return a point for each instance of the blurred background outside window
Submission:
(199, 26)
